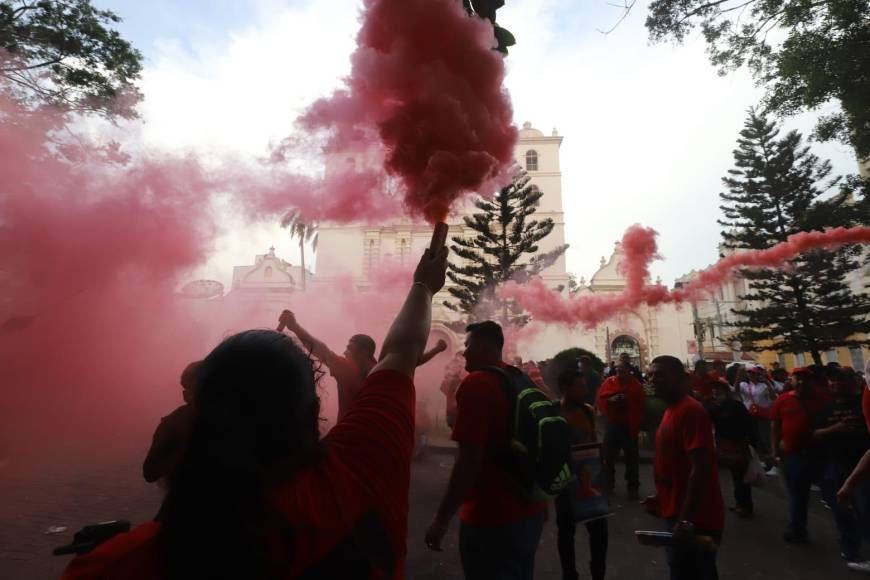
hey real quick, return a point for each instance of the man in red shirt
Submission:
(499, 529)
(622, 401)
(351, 369)
(794, 415)
(688, 495)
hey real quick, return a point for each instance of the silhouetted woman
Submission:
(258, 495)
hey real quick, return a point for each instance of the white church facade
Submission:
(360, 250)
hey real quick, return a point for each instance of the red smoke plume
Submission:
(424, 95)
(639, 245)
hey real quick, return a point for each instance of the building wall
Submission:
(717, 309)
(357, 250)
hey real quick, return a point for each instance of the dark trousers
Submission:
(853, 523)
(597, 530)
(762, 427)
(505, 552)
(801, 471)
(688, 562)
(742, 491)
(616, 439)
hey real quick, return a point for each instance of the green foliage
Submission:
(506, 234)
(487, 9)
(64, 53)
(806, 53)
(777, 189)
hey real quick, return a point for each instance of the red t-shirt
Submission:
(685, 427)
(482, 419)
(349, 378)
(629, 410)
(796, 418)
(365, 470)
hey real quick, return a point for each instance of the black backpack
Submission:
(540, 444)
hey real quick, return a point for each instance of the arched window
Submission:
(531, 160)
(268, 272)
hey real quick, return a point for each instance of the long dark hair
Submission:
(256, 423)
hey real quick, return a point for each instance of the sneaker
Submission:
(795, 538)
(772, 472)
(862, 567)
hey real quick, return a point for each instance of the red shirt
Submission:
(795, 416)
(482, 419)
(349, 379)
(628, 411)
(686, 427)
(366, 469)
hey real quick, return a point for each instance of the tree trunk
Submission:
(302, 253)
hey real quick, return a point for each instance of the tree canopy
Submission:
(806, 53)
(504, 248)
(65, 53)
(487, 9)
(777, 189)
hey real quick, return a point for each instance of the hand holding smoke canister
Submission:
(430, 272)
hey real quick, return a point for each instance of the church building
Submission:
(361, 250)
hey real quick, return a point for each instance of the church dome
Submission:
(529, 131)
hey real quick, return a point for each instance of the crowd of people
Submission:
(255, 490)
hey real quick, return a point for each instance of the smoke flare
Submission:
(425, 97)
(639, 244)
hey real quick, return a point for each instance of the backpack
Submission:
(540, 438)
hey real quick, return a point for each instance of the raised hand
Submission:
(432, 270)
(288, 319)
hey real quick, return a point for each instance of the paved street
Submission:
(72, 493)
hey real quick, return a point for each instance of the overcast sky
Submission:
(648, 130)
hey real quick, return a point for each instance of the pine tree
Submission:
(505, 248)
(778, 188)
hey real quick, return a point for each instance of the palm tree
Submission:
(305, 231)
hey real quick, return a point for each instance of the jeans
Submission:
(616, 439)
(853, 523)
(688, 562)
(597, 530)
(504, 552)
(802, 469)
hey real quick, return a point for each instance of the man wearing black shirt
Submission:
(735, 432)
(172, 434)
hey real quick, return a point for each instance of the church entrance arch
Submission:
(625, 343)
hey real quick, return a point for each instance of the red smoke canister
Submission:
(439, 237)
